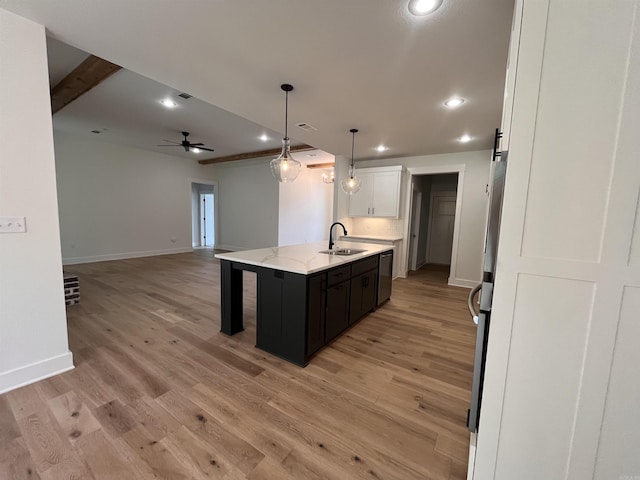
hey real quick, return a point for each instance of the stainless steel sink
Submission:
(342, 251)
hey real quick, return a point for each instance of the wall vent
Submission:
(185, 95)
(306, 127)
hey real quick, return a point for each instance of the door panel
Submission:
(441, 229)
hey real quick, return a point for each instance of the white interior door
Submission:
(415, 229)
(206, 219)
(442, 221)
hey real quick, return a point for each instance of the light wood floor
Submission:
(158, 392)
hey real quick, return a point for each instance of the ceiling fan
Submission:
(187, 145)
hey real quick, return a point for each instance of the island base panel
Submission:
(231, 299)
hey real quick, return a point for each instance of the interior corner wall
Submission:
(305, 208)
(122, 202)
(248, 204)
(473, 209)
(33, 327)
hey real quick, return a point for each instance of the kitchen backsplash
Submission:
(376, 226)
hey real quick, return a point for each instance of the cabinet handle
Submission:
(373, 210)
(369, 211)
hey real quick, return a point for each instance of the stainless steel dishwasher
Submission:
(385, 276)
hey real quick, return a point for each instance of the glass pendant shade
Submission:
(351, 184)
(285, 168)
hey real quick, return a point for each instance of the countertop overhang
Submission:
(304, 258)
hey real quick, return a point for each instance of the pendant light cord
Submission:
(353, 142)
(286, 113)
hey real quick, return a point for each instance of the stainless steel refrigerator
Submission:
(482, 315)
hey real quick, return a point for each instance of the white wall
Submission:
(561, 386)
(468, 268)
(33, 328)
(248, 204)
(305, 208)
(122, 202)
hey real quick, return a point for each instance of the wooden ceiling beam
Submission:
(248, 155)
(320, 165)
(90, 73)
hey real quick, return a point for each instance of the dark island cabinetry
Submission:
(298, 314)
(364, 288)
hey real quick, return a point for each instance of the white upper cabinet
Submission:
(379, 195)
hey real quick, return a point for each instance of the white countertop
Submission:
(385, 238)
(304, 258)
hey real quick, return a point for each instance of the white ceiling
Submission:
(126, 110)
(366, 64)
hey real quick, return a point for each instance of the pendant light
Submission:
(285, 168)
(351, 184)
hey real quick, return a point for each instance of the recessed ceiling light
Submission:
(264, 137)
(167, 102)
(196, 150)
(424, 7)
(454, 102)
(382, 148)
(465, 138)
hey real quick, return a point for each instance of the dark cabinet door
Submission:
(316, 313)
(364, 289)
(337, 312)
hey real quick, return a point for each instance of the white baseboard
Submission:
(461, 282)
(123, 256)
(19, 377)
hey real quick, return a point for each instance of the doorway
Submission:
(206, 220)
(432, 224)
(203, 231)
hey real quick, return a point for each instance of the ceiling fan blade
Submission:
(207, 149)
(171, 141)
(175, 145)
(196, 144)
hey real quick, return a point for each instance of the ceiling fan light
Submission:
(167, 102)
(285, 168)
(195, 150)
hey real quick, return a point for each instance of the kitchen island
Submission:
(305, 298)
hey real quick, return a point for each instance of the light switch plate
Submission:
(13, 224)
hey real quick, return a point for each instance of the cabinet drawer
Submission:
(338, 275)
(364, 265)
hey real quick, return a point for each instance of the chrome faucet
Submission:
(331, 233)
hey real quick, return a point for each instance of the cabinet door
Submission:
(386, 194)
(360, 203)
(315, 313)
(337, 313)
(364, 289)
